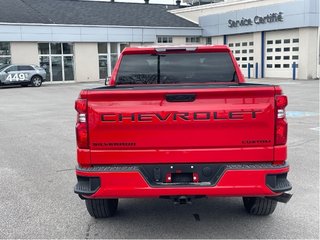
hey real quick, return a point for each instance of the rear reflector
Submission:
(82, 135)
(281, 132)
(82, 118)
(281, 113)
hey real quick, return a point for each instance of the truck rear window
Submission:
(176, 68)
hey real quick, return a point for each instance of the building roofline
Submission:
(96, 26)
(133, 3)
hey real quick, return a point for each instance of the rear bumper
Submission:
(143, 181)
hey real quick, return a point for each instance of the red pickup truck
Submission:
(181, 123)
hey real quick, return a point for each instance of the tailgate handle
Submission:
(180, 97)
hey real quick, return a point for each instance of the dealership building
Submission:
(80, 40)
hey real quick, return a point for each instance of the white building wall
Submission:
(179, 40)
(141, 44)
(24, 53)
(217, 40)
(257, 52)
(86, 62)
(308, 53)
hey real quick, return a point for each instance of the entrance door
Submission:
(56, 68)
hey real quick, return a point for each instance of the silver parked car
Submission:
(22, 75)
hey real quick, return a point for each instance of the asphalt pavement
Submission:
(37, 160)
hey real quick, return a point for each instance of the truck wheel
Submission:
(36, 81)
(102, 208)
(259, 206)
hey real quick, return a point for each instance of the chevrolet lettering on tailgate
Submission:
(178, 116)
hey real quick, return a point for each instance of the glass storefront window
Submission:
(4, 48)
(56, 48)
(56, 64)
(114, 47)
(43, 48)
(5, 60)
(103, 66)
(5, 53)
(114, 58)
(164, 39)
(45, 64)
(102, 47)
(57, 60)
(68, 68)
(108, 56)
(123, 46)
(192, 39)
(67, 48)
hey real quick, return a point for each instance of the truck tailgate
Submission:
(227, 123)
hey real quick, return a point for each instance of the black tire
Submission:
(102, 208)
(36, 81)
(259, 206)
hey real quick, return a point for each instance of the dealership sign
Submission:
(270, 18)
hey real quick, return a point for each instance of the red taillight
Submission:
(81, 105)
(82, 126)
(281, 131)
(281, 101)
(281, 128)
(82, 135)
